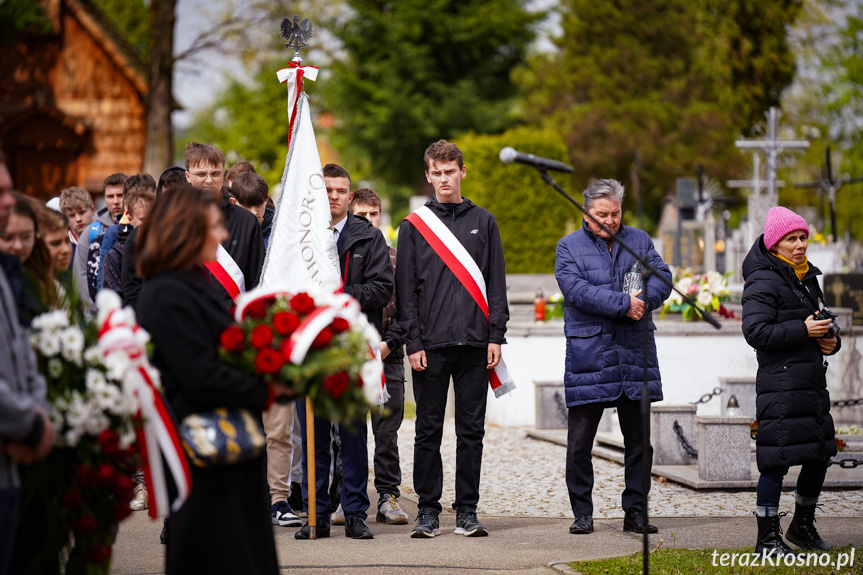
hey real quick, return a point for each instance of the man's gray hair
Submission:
(609, 189)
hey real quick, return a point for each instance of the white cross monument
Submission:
(772, 147)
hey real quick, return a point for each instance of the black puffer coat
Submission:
(792, 405)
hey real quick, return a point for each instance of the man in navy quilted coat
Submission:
(604, 348)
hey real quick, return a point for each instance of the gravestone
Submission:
(667, 449)
(845, 290)
(743, 389)
(551, 411)
(724, 448)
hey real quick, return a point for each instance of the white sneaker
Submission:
(139, 503)
(338, 516)
(283, 515)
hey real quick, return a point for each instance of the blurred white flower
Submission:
(704, 298)
(53, 320)
(50, 344)
(91, 355)
(55, 368)
(127, 439)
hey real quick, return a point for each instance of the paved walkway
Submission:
(524, 504)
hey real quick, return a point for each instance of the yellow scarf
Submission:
(799, 269)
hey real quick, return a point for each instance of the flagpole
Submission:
(310, 466)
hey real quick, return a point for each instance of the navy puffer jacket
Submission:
(604, 347)
(792, 403)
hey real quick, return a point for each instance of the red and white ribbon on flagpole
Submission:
(227, 273)
(463, 266)
(157, 435)
(294, 75)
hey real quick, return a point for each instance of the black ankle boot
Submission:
(802, 530)
(770, 537)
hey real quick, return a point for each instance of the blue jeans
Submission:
(809, 482)
(355, 466)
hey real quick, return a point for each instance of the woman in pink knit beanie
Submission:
(781, 299)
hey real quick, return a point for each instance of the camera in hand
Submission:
(825, 313)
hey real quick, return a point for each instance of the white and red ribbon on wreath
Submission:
(119, 333)
(329, 306)
(294, 75)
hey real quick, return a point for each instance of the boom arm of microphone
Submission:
(508, 156)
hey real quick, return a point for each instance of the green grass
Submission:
(701, 562)
(410, 410)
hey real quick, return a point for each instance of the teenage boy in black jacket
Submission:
(368, 277)
(447, 335)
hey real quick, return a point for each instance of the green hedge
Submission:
(532, 217)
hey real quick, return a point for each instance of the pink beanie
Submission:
(779, 223)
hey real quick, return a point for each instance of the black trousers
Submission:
(467, 367)
(809, 482)
(582, 424)
(388, 472)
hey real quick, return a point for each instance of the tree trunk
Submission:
(159, 153)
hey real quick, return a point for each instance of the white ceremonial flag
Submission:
(302, 251)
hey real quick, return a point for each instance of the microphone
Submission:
(508, 156)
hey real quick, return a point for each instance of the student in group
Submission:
(21, 239)
(252, 193)
(100, 248)
(78, 206)
(385, 426)
(138, 201)
(112, 192)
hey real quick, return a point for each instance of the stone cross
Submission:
(771, 146)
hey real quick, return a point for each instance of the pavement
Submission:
(523, 503)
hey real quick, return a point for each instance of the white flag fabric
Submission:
(302, 251)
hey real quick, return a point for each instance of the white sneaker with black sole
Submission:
(283, 515)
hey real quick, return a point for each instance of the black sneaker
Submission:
(427, 525)
(295, 499)
(283, 515)
(468, 525)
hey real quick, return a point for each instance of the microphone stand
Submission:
(649, 271)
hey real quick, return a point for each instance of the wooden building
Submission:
(72, 104)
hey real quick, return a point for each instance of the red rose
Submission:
(233, 338)
(302, 303)
(82, 475)
(85, 524)
(268, 361)
(262, 336)
(72, 499)
(124, 485)
(336, 383)
(286, 322)
(257, 309)
(360, 381)
(98, 553)
(339, 325)
(110, 441)
(323, 339)
(122, 510)
(104, 475)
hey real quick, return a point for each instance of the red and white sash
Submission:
(227, 273)
(463, 266)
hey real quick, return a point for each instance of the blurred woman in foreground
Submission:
(224, 526)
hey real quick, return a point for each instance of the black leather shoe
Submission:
(582, 524)
(322, 531)
(634, 521)
(356, 528)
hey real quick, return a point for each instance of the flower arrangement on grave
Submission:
(318, 344)
(554, 307)
(86, 483)
(709, 290)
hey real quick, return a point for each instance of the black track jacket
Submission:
(434, 309)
